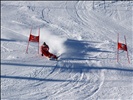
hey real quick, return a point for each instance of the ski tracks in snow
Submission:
(85, 80)
(79, 74)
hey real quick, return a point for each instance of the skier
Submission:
(45, 52)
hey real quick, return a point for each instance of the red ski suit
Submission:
(45, 51)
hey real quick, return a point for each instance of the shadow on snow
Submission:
(77, 67)
(80, 49)
(76, 50)
(8, 40)
(36, 79)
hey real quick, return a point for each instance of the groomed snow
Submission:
(84, 33)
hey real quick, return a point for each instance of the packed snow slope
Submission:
(84, 33)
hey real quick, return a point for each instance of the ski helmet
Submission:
(44, 43)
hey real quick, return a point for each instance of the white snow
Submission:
(84, 33)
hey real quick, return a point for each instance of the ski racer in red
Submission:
(45, 51)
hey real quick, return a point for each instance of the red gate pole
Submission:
(27, 47)
(28, 42)
(39, 39)
(127, 50)
(117, 48)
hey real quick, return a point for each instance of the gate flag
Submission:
(122, 46)
(33, 38)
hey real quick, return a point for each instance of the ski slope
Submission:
(84, 33)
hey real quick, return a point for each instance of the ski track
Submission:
(82, 73)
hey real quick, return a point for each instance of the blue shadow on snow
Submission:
(79, 49)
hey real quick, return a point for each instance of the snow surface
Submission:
(84, 33)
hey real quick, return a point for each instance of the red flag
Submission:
(122, 46)
(33, 38)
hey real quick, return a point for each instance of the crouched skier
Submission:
(45, 51)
